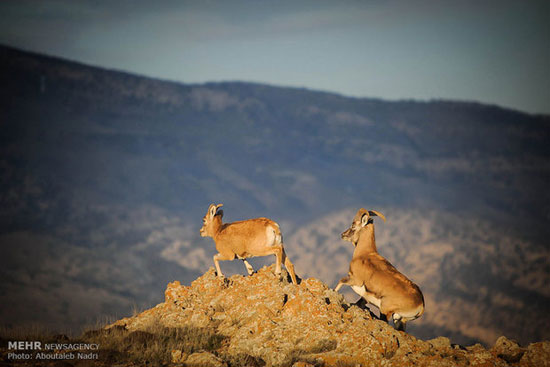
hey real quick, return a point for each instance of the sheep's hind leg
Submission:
(398, 322)
(249, 267)
(278, 252)
(290, 267)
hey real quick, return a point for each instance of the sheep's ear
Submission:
(364, 219)
(360, 214)
(212, 210)
(378, 214)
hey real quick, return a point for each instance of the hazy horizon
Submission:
(393, 50)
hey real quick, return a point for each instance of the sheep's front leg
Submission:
(344, 280)
(219, 257)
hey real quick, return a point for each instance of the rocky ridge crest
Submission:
(265, 321)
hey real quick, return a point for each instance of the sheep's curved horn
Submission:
(378, 214)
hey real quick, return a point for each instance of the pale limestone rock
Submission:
(270, 321)
(508, 350)
(204, 359)
(178, 356)
(440, 342)
(537, 354)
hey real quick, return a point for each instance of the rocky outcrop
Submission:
(267, 321)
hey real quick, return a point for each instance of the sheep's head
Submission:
(361, 220)
(208, 221)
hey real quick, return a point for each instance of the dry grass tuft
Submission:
(153, 346)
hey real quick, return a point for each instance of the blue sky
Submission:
(489, 51)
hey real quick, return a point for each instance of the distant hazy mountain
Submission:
(105, 177)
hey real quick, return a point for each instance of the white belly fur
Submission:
(360, 290)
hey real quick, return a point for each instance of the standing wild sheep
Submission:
(244, 239)
(375, 279)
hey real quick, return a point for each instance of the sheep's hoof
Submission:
(399, 325)
(280, 276)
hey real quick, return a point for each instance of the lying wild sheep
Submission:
(375, 279)
(244, 239)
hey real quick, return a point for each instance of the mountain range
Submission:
(105, 177)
